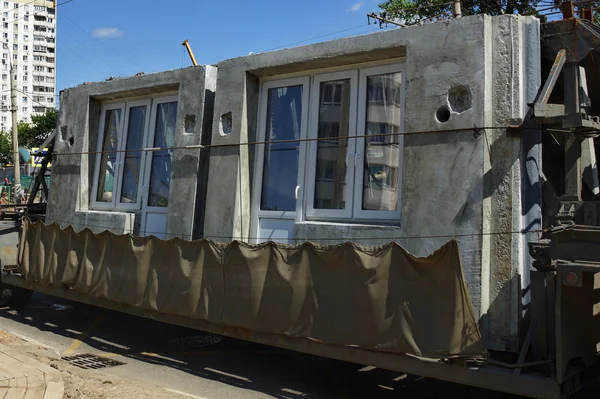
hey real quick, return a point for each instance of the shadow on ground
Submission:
(275, 372)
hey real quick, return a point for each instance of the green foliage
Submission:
(5, 149)
(35, 133)
(410, 12)
(30, 134)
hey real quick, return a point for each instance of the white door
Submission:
(157, 168)
(283, 118)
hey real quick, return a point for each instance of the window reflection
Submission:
(280, 168)
(160, 170)
(110, 145)
(334, 118)
(382, 153)
(133, 159)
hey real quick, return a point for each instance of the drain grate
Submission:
(87, 361)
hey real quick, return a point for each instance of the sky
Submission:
(100, 39)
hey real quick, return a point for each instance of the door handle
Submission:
(297, 191)
(348, 158)
(356, 157)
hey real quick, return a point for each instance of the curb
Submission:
(23, 376)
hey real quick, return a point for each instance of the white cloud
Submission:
(355, 7)
(107, 32)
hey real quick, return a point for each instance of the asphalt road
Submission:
(211, 367)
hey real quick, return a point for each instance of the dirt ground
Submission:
(82, 383)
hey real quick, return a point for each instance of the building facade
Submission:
(393, 136)
(29, 31)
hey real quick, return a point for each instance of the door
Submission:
(157, 168)
(277, 187)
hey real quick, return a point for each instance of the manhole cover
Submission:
(198, 341)
(87, 361)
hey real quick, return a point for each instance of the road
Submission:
(211, 367)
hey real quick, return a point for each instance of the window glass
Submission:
(280, 172)
(334, 118)
(133, 159)
(110, 144)
(160, 170)
(382, 153)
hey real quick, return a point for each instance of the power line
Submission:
(475, 130)
(102, 59)
(391, 238)
(100, 41)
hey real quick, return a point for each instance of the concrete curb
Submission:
(24, 377)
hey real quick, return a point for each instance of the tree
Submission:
(35, 133)
(410, 12)
(30, 134)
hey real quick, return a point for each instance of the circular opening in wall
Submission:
(442, 114)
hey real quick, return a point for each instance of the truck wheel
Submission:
(14, 297)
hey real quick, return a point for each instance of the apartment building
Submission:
(29, 32)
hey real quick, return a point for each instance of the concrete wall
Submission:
(463, 184)
(69, 201)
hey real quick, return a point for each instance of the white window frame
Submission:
(147, 155)
(100, 204)
(360, 213)
(311, 160)
(122, 155)
(260, 152)
(307, 157)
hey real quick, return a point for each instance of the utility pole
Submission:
(15, 132)
(456, 9)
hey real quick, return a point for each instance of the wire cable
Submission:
(240, 238)
(474, 129)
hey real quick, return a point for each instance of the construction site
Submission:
(423, 200)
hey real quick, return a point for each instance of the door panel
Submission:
(282, 117)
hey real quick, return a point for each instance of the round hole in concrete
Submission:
(442, 114)
(459, 98)
(71, 141)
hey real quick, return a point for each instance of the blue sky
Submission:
(99, 39)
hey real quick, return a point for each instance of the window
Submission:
(5, 56)
(5, 14)
(16, 37)
(24, 99)
(26, 18)
(6, 25)
(25, 47)
(4, 119)
(24, 109)
(25, 79)
(16, 47)
(50, 70)
(351, 167)
(26, 37)
(15, 56)
(24, 67)
(4, 76)
(6, 4)
(25, 89)
(130, 126)
(25, 58)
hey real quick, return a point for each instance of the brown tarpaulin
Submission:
(378, 298)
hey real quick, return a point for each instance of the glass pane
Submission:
(133, 159)
(334, 118)
(108, 158)
(160, 171)
(280, 172)
(382, 153)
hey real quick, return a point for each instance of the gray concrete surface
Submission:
(22, 376)
(173, 358)
(454, 183)
(78, 132)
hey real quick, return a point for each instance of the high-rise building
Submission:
(29, 43)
